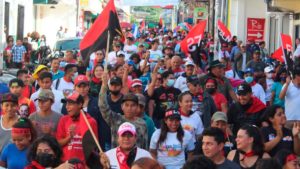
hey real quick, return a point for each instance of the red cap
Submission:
(81, 79)
(136, 82)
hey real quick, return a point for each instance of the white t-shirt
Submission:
(171, 153)
(155, 55)
(112, 156)
(292, 101)
(65, 87)
(297, 52)
(269, 89)
(258, 91)
(193, 124)
(112, 58)
(181, 84)
(56, 106)
(223, 54)
(129, 50)
(244, 64)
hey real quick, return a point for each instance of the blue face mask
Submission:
(249, 79)
(170, 82)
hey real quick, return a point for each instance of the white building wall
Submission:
(240, 10)
(48, 20)
(13, 18)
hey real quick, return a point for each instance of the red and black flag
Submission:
(193, 40)
(287, 48)
(223, 33)
(278, 55)
(96, 38)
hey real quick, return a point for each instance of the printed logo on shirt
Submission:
(172, 150)
(271, 137)
(287, 138)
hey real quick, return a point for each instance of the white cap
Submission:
(120, 53)
(126, 127)
(189, 62)
(268, 69)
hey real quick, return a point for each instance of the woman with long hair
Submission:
(278, 137)
(14, 154)
(250, 147)
(279, 81)
(44, 152)
(171, 143)
(190, 121)
(96, 80)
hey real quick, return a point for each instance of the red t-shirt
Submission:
(26, 91)
(219, 99)
(74, 149)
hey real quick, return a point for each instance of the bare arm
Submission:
(151, 86)
(125, 88)
(272, 98)
(64, 141)
(296, 131)
(284, 89)
(153, 153)
(151, 108)
(231, 155)
(233, 95)
(224, 107)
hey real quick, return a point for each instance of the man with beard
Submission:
(248, 109)
(114, 97)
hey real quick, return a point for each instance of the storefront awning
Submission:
(288, 5)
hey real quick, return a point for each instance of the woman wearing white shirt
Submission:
(170, 143)
(190, 121)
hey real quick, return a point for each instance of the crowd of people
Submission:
(151, 106)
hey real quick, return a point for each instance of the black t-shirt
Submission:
(165, 98)
(287, 142)
(115, 106)
(228, 165)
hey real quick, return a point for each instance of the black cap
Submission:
(192, 79)
(16, 83)
(244, 89)
(296, 70)
(9, 97)
(173, 114)
(130, 97)
(215, 63)
(115, 80)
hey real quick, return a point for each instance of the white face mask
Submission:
(269, 76)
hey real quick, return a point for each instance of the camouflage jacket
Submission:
(114, 120)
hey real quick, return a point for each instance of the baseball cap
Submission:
(142, 99)
(9, 97)
(45, 94)
(130, 97)
(217, 116)
(37, 70)
(173, 114)
(120, 54)
(126, 127)
(192, 79)
(215, 63)
(117, 44)
(115, 80)
(81, 79)
(136, 82)
(268, 69)
(244, 89)
(75, 97)
(189, 63)
(16, 83)
(249, 70)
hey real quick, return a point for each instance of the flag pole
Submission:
(106, 52)
(91, 130)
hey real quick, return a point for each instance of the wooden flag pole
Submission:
(106, 52)
(91, 130)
